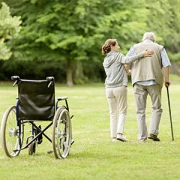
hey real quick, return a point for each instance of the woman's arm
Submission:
(131, 59)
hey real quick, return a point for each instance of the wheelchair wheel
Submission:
(62, 133)
(12, 134)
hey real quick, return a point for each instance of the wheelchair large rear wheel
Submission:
(12, 134)
(62, 133)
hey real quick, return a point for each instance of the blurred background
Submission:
(63, 38)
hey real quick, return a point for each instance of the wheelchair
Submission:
(36, 103)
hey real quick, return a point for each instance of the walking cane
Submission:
(170, 113)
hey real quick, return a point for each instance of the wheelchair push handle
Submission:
(16, 78)
(50, 79)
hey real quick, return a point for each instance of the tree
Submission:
(73, 31)
(164, 20)
(9, 28)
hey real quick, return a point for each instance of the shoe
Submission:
(142, 141)
(120, 137)
(153, 137)
(114, 140)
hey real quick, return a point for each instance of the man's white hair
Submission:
(149, 35)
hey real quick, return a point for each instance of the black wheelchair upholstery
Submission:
(36, 100)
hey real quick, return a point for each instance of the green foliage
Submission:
(164, 20)
(174, 57)
(74, 31)
(9, 28)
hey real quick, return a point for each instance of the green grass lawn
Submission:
(93, 155)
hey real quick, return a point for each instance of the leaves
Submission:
(4, 51)
(78, 26)
(75, 30)
(9, 28)
(164, 20)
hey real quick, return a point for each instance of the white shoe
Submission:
(142, 141)
(114, 140)
(120, 137)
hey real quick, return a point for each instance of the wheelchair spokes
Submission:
(61, 133)
(12, 135)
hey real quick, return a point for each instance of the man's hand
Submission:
(129, 72)
(167, 84)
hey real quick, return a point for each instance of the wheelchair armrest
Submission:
(62, 98)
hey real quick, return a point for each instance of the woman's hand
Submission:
(148, 53)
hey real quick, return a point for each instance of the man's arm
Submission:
(166, 65)
(131, 52)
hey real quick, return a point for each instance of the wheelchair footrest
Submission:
(72, 142)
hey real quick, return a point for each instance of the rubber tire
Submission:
(61, 138)
(8, 118)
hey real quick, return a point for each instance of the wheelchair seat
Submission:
(36, 100)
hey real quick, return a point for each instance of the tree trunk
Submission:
(79, 74)
(69, 74)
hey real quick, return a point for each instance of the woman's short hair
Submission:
(149, 35)
(106, 48)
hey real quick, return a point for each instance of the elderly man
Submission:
(147, 78)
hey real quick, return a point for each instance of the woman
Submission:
(116, 85)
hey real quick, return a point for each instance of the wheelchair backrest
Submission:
(36, 101)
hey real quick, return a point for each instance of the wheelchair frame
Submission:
(12, 127)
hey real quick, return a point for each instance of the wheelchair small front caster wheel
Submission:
(32, 148)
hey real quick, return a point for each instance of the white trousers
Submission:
(141, 93)
(117, 100)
